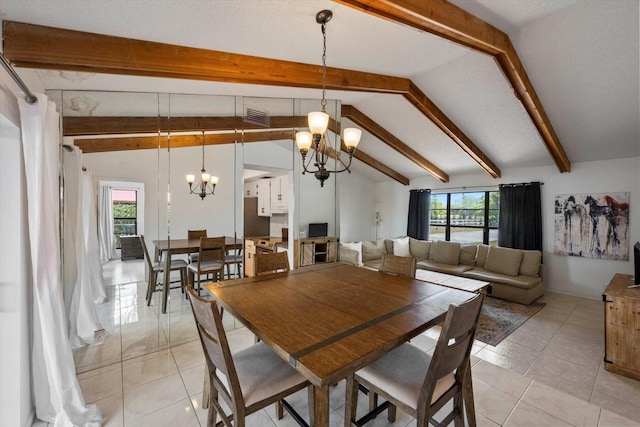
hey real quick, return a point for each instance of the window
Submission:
(468, 218)
(125, 213)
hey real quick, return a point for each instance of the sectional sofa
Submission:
(515, 274)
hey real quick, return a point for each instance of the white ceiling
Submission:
(582, 57)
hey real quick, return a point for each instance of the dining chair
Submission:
(210, 260)
(420, 384)
(234, 257)
(398, 265)
(156, 267)
(271, 262)
(195, 235)
(255, 376)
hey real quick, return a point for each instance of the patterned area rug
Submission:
(499, 318)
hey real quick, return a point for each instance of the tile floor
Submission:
(547, 373)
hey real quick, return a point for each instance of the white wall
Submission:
(357, 207)
(576, 276)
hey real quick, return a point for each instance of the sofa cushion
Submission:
(356, 246)
(481, 257)
(401, 246)
(530, 265)
(419, 248)
(468, 254)
(523, 282)
(372, 250)
(348, 255)
(503, 260)
(447, 252)
(456, 270)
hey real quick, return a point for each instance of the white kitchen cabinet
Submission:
(251, 189)
(280, 194)
(264, 197)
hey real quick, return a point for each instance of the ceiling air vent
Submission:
(256, 117)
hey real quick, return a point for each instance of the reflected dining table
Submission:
(167, 248)
(329, 320)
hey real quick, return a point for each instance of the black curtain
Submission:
(418, 220)
(520, 224)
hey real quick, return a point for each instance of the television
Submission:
(636, 263)
(318, 229)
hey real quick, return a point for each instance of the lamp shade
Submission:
(352, 137)
(318, 122)
(303, 140)
(214, 180)
(206, 177)
(191, 179)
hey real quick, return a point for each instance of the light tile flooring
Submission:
(549, 372)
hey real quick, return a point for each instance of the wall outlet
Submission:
(99, 337)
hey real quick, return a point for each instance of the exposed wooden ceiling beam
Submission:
(149, 142)
(429, 109)
(34, 46)
(449, 21)
(124, 143)
(116, 125)
(365, 158)
(385, 136)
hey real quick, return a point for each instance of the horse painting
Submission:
(592, 225)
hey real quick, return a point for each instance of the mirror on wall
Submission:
(138, 148)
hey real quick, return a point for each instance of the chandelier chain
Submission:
(324, 67)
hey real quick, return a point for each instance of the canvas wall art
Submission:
(592, 225)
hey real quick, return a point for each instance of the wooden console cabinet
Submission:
(315, 250)
(130, 248)
(622, 327)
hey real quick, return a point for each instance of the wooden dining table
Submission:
(167, 248)
(329, 320)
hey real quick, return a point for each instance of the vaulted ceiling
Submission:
(439, 88)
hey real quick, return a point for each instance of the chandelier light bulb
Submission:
(352, 137)
(318, 122)
(303, 140)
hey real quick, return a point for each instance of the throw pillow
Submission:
(401, 246)
(348, 255)
(419, 248)
(356, 246)
(530, 263)
(468, 254)
(481, 258)
(372, 250)
(503, 260)
(447, 252)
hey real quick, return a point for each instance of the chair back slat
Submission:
(398, 265)
(215, 345)
(271, 262)
(453, 348)
(211, 249)
(196, 234)
(146, 253)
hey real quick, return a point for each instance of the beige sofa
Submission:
(514, 274)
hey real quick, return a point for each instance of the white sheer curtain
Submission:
(83, 281)
(105, 223)
(58, 397)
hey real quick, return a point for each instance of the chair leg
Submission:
(153, 277)
(279, 410)
(351, 401)
(206, 388)
(391, 413)
(183, 281)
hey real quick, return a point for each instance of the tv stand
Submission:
(315, 250)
